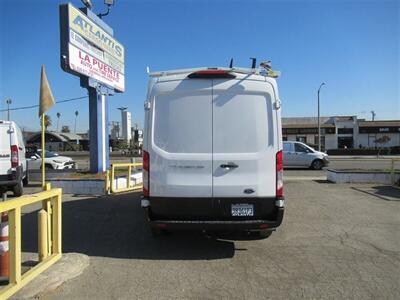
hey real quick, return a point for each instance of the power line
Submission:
(37, 105)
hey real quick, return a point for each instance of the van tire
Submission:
(25, 181)
(317, 164)
(47, 167)
(18, 190)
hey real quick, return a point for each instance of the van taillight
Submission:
(14, 156)
(211, 73)
(279, 174)
(146, 174)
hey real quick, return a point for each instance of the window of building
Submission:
(345, 130)
(345, 142)
(302, 139)
(322, 140)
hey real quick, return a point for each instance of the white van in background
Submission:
(13, 168)
(212, 156)
(297, 154)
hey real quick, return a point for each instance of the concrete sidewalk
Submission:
(69, 266)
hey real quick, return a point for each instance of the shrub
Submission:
(365, 151)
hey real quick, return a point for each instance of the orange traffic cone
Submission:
(4, 272)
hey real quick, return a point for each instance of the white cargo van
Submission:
(212, 156)
(13, 168)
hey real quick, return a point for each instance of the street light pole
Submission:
(76, 116)
(8, 101)
(319, 123)
(58, 119)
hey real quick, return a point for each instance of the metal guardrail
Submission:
(49, 236)
(393, 170)
(111, 180)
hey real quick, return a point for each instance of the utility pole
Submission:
(76, 116)
(373, 119)
(373, 115)
(8, 101)
(58, 119)
(319, 123)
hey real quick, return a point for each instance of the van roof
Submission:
(261, 72)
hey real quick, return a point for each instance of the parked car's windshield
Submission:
(310, 148)
(302, 148)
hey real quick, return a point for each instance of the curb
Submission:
(303, 178)
(68, 267)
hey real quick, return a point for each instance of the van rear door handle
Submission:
(229, 165)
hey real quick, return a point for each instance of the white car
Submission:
(52, 161)
(297, 154)
(212, 151)
(13, 167)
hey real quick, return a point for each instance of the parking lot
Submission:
(340, 162)
(336, 241)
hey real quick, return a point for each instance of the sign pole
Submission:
(89, 50)
(98, 133)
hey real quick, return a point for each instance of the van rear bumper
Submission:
(233, 225)
(267, 220)
(13, 178)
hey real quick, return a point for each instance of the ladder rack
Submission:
(249, 71)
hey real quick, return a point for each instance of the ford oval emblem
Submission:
(248, 191)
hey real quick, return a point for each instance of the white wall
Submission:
(330, 141)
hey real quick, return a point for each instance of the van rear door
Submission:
(180, 146)
(244, 138)
(5, 149)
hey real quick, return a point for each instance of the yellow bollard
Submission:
(42, 235)
(107, 182)
(392, 173)
(47, 186)
(128, 179)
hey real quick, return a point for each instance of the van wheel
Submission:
(25, 181)
(18, 189)
(317, 164)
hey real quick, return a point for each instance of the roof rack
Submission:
(249, 71)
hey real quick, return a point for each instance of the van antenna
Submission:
(253, 62)
(231, 63)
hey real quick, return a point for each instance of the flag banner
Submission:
(46, 99)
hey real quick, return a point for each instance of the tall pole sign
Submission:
(90, 51)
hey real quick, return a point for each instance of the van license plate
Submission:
(242, 210)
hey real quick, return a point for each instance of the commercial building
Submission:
(59, 141)
(341, 132)
(126, 126)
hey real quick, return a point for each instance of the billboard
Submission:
(89, 49)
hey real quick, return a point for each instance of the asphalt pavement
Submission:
(336, 241)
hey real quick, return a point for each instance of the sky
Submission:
(352, 46)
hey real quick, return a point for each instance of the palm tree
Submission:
(76, 116)
(58, 119)
(47, 121)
